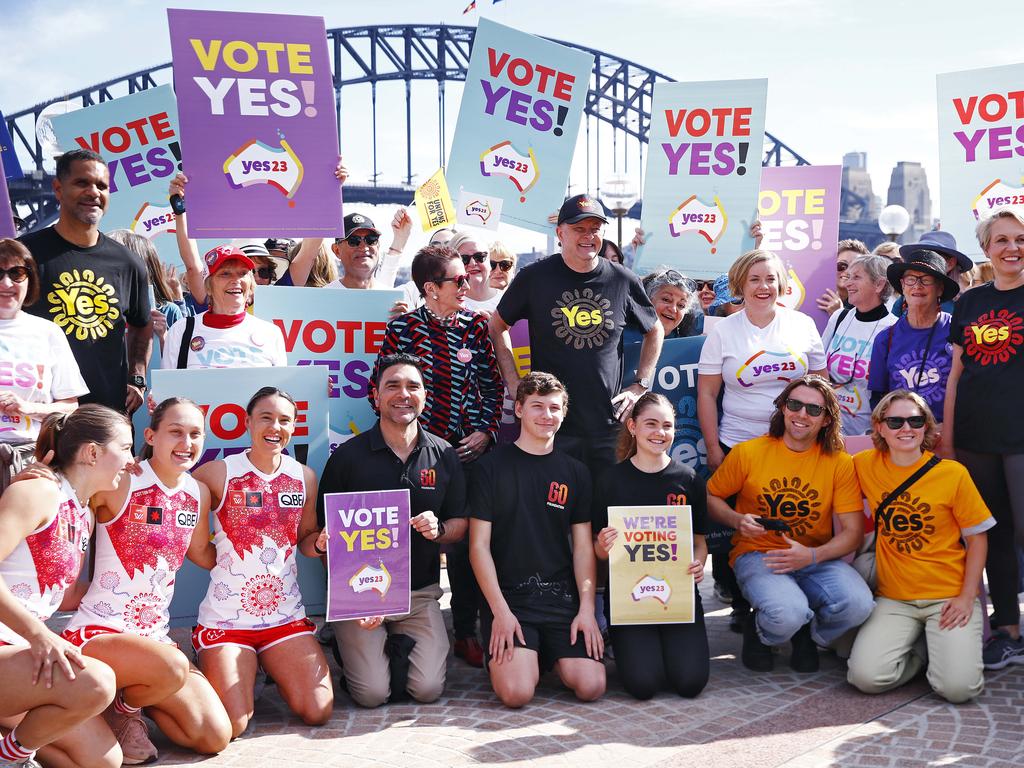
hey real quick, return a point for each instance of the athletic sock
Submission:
(11, 749)
(122, 708)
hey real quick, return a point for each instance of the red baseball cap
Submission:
(219, 256)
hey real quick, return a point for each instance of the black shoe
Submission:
(756, 655)
(738, 620)
(805, 652)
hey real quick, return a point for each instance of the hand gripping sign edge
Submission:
(237, 172)
(508, 161)
(694, 215)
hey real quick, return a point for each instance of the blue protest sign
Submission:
(517, 127)
(703, 174)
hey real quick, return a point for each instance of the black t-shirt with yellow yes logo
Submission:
(576, 322)
(90, 293)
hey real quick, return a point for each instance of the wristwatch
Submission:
(137, 381)
(440, 529)
(644, 382)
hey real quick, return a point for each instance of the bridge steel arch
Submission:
(620, 97)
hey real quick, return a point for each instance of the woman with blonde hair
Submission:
(930, 547)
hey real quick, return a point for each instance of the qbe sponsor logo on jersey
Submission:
(290, 499)
(184, 518)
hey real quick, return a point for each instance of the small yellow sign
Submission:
(434, 204)
(649, 565)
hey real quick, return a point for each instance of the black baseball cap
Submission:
(579, 208)
(357, 221)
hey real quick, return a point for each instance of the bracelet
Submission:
(392, 249)
(318, 550)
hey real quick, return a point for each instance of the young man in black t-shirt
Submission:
(93, 288)
(577, 305)
(526, 502)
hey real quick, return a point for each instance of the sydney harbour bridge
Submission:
(424, 57)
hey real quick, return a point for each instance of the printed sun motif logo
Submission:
(262, 595)
(793, 501)
(906, 523)
(582, 318)
(994, 337)
(143, 612)
(83, 304)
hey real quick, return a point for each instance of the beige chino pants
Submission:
(889, 651)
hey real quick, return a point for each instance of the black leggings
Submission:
(651, 658)
(1000, 480)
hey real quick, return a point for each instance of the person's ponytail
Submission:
(65, 433)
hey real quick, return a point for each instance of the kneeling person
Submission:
(788, 484)
(525, 501)
(399, 453)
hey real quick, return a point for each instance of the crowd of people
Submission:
(909, 356)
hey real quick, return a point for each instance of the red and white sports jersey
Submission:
(138, 553)
(255, 529)
(47, 561)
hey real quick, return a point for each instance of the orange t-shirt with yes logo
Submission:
(801, 488)
(918, 552)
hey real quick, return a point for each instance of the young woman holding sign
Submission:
(264, 509)
(654, 657)
(145, 529)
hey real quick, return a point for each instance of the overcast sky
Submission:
(842, 76)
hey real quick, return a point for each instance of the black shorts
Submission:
(545, 628)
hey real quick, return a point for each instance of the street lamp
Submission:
(893, 221)
(620, 195)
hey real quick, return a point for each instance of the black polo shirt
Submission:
(432, 475)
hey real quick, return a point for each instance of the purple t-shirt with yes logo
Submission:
(897, 364)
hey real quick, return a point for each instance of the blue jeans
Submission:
(830, 595)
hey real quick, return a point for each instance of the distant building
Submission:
(859, 201)
(908, 186)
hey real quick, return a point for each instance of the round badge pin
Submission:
(197, 343)
(464, 355)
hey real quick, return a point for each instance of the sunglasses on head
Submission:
(460, 280)
(478, 257)
(18, 274)
(504, 266)
(897, 422)
(795, 406)
(356, 240)
(265, 273)
(702, 285)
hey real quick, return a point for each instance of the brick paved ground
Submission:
(742, 719)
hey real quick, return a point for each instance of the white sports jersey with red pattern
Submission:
(138, 553)
(255, 529)
(47, 561)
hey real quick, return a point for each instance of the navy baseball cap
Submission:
(579, 208)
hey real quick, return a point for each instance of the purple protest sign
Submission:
(368, 554)
(259, 135)
(6, 216)
(799, 212)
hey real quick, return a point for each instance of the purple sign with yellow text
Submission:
(259, 135)
(799, 212)
(368, 554)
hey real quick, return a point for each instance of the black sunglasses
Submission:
(700, 285)
(478, 257)
(265, 273)
(18, 274)
(897, 422)
(461, 280)
(356, 240)
(841, 266)
(504, 266)
(794, 406)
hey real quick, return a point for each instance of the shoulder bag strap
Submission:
(186, 341)
(921, 472)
